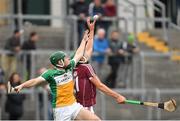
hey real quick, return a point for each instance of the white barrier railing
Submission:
(143, 62)
(134, 83)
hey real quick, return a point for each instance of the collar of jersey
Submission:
(60, 69)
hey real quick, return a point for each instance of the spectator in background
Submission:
(30, 45)
(10, 60)
(110, 10)
(14, 103)
(115, 57)
(80, 9)
(101, 48)
(130, 48)
(96, 8)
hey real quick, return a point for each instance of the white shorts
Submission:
(90, 108)
(67, 113)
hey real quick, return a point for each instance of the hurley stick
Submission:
(168, 105)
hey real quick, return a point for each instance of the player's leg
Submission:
(86, 115)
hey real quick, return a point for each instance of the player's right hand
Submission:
(18, 88)
(91, 26)
(120, 99)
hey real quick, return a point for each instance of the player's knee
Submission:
(95, 117)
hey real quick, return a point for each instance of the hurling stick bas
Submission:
(168, 105)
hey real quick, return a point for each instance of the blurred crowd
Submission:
(101, 8)
(8, 70)
(119, 48)
(118, 51)
(14, 47)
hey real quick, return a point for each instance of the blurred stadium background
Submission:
(153, 74)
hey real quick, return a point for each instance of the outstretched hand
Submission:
(18, 88)
(120, 99)
(91, 25)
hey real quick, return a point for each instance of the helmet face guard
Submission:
(57, 65)
(83, 60)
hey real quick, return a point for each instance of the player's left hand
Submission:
(18, 88)
(91, 25)
(120, 99)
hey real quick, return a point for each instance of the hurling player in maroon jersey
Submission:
(86, 79)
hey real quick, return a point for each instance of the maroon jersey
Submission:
(85, 90)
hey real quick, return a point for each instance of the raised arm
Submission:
(89, 47)
(80, 51)
(29, 83)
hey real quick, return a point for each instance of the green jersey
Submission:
(61, 85)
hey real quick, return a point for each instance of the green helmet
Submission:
(56, 56)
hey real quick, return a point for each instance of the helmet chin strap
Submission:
(61, 66)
